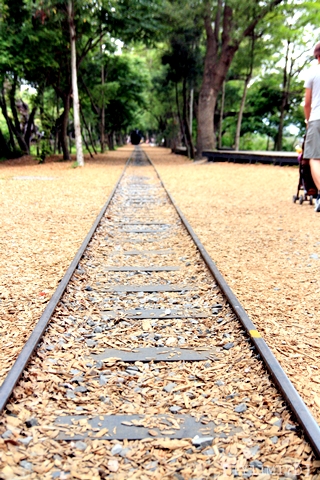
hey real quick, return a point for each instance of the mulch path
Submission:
(46, 212)
(44, 244)
(267, 248)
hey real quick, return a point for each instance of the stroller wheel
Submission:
(294, 198)
(311, 200)
(301, 199)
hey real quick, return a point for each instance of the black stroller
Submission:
(306, 183)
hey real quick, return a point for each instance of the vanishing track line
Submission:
(144, 349)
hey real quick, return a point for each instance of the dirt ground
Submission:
(266, 247)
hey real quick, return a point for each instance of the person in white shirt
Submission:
(312, 119)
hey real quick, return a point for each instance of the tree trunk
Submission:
(206, 107)
(215, 71)
(7, 119)
(88, 130)
(76, 107)
(279, 137)
(221, 46)
(180, 119)
(111, 141)
(12, 97)
(30, 124)
(55, 145)
(284, 100)
(64, 127)
(4, 149)
(244, 94)
(119, 139)
(223, 94)
(16, 126)
(190, 146)
(240, 115)
(87, 146)
(56, 133)
(191, 110)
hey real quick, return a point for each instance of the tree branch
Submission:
(90, 45)
(262, 14)
(217, 23)
(226, 25)
(208, 24)
(96, 109)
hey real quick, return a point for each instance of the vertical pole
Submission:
(76, 104)
(102, 125)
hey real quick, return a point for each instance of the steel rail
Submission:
(303, 415)
(22, 360)
(297, 405)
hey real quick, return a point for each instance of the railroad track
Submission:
(145, 365)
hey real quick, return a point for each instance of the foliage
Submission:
(264, 100)
(123, 94)
(35, 48)
(128, 80)
(149, 79)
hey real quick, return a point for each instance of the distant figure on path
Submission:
(135, 137)
(312, 119)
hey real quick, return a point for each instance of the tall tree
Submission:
(13, 14)
(89, 22)
(226, 24)
(184, 61)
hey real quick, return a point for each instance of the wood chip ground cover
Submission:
(231, 388)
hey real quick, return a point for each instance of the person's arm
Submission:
(307, 103)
